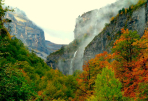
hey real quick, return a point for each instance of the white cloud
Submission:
(58, 15)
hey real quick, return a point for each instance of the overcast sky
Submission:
(57, 17)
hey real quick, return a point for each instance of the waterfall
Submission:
(78, 61)
(71, 64)
(81, 51)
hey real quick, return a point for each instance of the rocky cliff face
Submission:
(104, 41)
(25, 30)
(91, 37)
(29, 33)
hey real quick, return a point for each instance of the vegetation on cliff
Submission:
(129, 10)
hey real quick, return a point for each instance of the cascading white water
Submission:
(71, 64)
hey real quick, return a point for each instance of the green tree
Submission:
(12, 83)
(108, 88)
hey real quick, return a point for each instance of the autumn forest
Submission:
(121, 75)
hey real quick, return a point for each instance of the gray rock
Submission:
(29, 33)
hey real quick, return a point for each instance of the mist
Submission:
(97, 20)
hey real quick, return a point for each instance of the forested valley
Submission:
(121, 75)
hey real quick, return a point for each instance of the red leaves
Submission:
(133, 71)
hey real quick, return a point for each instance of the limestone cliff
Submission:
(95, 33)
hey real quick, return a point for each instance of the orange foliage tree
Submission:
(140, 67)
(130, 64)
